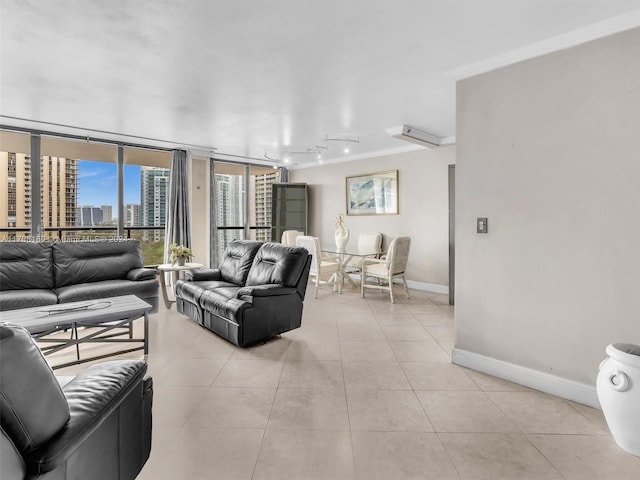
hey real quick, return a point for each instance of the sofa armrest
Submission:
(271, 290)
(138, 274)
(202, 275)
(92, 396)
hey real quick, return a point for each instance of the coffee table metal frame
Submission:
(105, 315)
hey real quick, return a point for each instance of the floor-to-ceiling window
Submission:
(146, 187)
(243, 202)
(72, 192)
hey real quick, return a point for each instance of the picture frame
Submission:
(372, 193)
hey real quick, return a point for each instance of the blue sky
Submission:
(97, 184)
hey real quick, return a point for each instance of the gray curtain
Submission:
(213, 215)
(284, 175)
(177, 229)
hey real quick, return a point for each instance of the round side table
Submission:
(175, 270)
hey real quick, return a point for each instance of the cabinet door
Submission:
(288, 208)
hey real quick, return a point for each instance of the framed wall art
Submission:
(373, 194)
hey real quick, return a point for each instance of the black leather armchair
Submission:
(96, 426)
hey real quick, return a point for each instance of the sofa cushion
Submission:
(14, 299)
(223, 302)
(85, 262)
(25, 265)
(237, 260)
(29, 419)
(279, 264)
(192, 291)
(107, 288)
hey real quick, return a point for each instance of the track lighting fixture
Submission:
(347, 142)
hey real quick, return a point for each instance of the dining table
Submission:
(345, 255)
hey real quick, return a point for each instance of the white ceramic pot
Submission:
(618, 387)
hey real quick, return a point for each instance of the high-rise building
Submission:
(90, 216)
(132, 215)
(231, 209)
(262, 195)
(107, 213)
(57, 192)
(154, 188)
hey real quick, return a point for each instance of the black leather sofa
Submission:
(95, 427)
(34, 274)
(256, 293)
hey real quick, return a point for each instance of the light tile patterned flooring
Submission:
(363, 390)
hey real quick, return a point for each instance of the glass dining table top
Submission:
(351, 250)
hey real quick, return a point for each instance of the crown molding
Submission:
(566, 40)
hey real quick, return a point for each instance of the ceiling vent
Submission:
(411, 134)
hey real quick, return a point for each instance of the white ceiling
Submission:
(250, 77)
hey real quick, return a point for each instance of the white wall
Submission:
(549, 151)
(423, 207)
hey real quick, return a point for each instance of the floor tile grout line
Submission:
(273, 402)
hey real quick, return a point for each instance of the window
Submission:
(243, 202)
(78, 191)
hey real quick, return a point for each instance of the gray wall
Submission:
(549, 150)
(423, 206)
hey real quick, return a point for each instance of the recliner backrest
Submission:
(278, 264)
(25, 265)
(85, 262)
(32, 405)
(237, 260)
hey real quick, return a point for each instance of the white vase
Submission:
(182, 260)
(618, 387)
(342, 237)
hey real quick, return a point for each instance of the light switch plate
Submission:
(482, 225)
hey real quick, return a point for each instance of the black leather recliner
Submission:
(95, 427)
(256, 293)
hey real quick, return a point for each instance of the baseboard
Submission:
(545, 382)
(428, 287)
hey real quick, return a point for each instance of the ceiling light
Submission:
(347, 142)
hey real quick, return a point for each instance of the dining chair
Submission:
(367, 241)
(382, 270)
(289, 237)
(321, 264)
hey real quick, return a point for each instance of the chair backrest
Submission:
(312, 244)
(370, 241)
(398, 254)
(289, 237)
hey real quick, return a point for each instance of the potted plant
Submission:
(179, 254)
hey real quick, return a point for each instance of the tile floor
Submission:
(363, 390)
